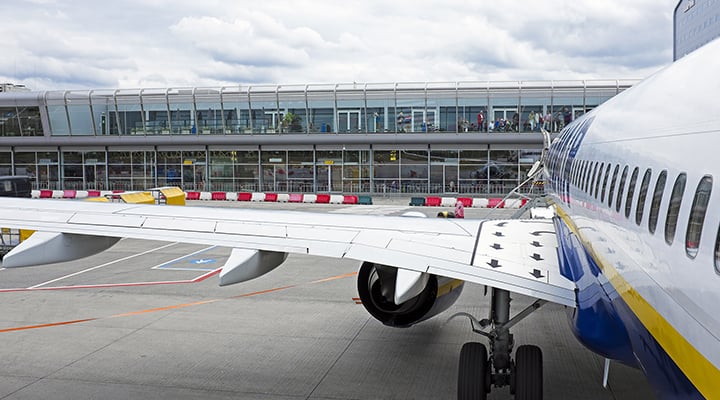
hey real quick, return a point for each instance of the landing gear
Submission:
(528, 382)
(478, 373)
(473, 374)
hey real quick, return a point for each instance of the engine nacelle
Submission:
(377, 285)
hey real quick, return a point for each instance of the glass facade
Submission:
(305, 171)
(334, 137)
(297, 109)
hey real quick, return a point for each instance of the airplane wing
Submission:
(516, 255)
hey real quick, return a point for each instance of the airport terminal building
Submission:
(369, 138)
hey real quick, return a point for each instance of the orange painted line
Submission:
(332, 278)
(173, 307)
(28, 327)
(277, 289)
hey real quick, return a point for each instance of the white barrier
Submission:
(513, 203)
(257, 196)
(480, 203)
(309, 198)
(58, 194)
(35, 194)
(81, 194)
(448, 201)
(231, 196)
(205, 196)
(283, 197)
(336, 198)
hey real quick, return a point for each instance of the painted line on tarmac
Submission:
(165, 265)
(28, 327)
(101, 266)
(111, 285)
(172, 307)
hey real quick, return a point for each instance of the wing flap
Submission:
(118, 220)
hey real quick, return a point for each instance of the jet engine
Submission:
(401, 298)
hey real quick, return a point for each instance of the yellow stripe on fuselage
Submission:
(698, 369)
(449, 287)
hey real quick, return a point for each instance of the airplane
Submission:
(632, 248)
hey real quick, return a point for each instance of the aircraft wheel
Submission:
(473, 379)
(528, 373)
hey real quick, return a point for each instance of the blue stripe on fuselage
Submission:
(604, 323)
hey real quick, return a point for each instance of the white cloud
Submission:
(162, 43)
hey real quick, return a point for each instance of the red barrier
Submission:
(495, 203)
(350, 199)
(323, 198)
(433, 201)
(219, 196)
(46, 194)
(192, 196)
(69, 194)
(466, 201)
(270, 196)
(244, 196)
(93, 193)
(295, 198)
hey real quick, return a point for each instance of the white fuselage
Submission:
(669, 122)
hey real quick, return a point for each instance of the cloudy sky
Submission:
(89, 44)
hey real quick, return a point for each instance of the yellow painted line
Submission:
(698, 369)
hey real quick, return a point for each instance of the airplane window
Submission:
(657, 198)
(604, 186)
(599, 177)
(612, 185)
(575, 172)
(631, 192)
(674, 208)
(697, 217)
(717, 253)
(644, 186)
(588, 172)
(621, 188)
(591, 178)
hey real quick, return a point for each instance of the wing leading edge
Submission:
(516, 255)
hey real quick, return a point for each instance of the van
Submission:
(15, 186)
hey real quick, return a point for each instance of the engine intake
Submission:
(377, 285)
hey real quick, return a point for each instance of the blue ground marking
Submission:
(191, 262)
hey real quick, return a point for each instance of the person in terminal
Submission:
(480, 120)
(531, 120)
(547, 122)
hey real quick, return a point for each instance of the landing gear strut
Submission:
(478, 372)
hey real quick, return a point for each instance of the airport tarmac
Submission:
(295, 333)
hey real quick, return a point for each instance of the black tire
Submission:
(472, 372)
(528, 373)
